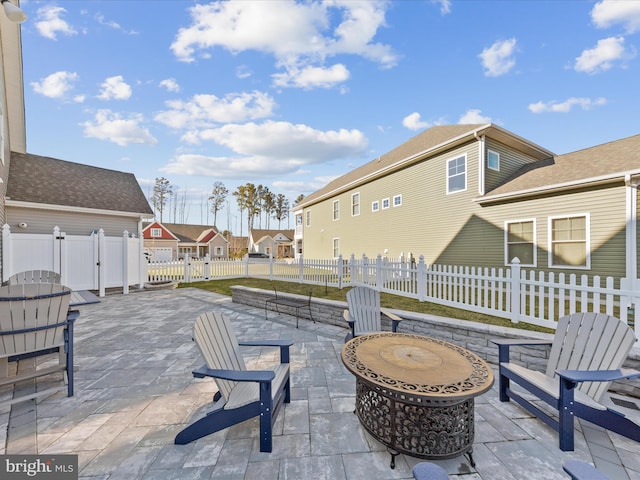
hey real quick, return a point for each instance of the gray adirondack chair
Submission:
(364, 312)
(586, 354)
(34, 276)
(35, 320)
(243, 394)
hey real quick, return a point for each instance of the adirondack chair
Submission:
(243, 394)
(35, 320)
(586, 354)
(34, 276)
(364, 312)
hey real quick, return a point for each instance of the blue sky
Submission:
(290, 95)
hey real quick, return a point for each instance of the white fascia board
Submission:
(593, 181)
(67, 208)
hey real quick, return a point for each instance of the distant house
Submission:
(277, 243)
(44, 192)
(479, 195)
(167, 241)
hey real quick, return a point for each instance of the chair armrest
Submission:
(235, 375)
(505, 343)
(578, 376)
(395, 319)
(283, 344)
(72, 315)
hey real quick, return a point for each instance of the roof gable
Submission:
(165, 235)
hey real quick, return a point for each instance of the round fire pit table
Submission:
(415, 394)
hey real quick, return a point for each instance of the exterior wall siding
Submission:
(510, 161)
(454, 228)
(72, 223)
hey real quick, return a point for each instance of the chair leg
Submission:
(503, 386)
(266, 411)
(565, 415)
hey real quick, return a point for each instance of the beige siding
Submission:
(510, 161)
(455, 229)
(43, 221)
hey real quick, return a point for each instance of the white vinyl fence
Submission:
(85, 262)
(514, 293)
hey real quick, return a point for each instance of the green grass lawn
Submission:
(387, 300)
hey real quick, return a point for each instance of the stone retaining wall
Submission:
(471, 335)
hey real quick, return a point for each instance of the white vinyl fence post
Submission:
(421, 275)
(379, 273)
(340, 271)
(207, 267)
(352, 269)
(301, 269)
(6, 252)
(125, 262)
(102, 249)
(187, 268)
(515, 290)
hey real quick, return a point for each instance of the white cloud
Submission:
(445, 6)
(170, 84)
(270, 148)
(115, 88)
(567, 105)
(110, 126)
(49, 22)
(55, 85)
(204, 110)
(473, 116)
(607, 13)
(298, 35)
(311, 77)
(112, 24)
(602, 57)
(413, 122)
(498, 58)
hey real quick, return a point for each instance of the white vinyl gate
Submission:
(85, 262)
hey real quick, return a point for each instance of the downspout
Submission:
(481, 187)
(631, 230)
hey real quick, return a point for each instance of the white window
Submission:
(299, 220)
(457, 174)
(493, 160)
(397, 200)
(355, 204)
(569, 241)
(520, 241)
(385, 203)
(336, 209)
(336, 247)
(218, 251)
(156, 232)
(375, 206)
(308, 218)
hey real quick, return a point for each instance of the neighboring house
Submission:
(277, 243)
(479, 195)
(44, 192)
(195, 240)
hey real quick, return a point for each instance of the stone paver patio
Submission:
(134, 392)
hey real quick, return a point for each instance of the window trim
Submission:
(155, 232)
(466, 173)
(507, 260)
(489, 152)
(336, 211)
(307, 220)
(587, 241)
(399, 204)
(353, 196)
(386, 201)
(333, 247)
(375, 205)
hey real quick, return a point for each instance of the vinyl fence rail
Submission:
(520, 295)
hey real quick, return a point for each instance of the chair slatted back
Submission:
(590, 341)
(39, 306)
(213, 333)
(364, 307)
(34, 276)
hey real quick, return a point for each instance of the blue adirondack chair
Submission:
(586, 354)
(243, 394)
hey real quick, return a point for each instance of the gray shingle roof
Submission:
(50, 181)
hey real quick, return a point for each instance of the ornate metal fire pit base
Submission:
(415, 425)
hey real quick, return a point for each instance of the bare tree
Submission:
(161, 193)
(217, 197)
(281, 208)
